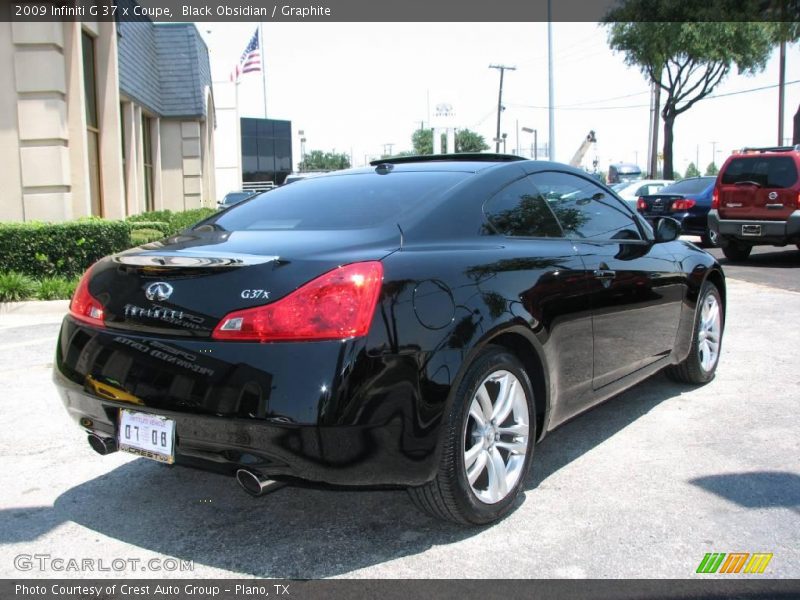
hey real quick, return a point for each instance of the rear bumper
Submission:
(347, 434)
(772, 232)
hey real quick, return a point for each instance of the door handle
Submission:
(604, 274)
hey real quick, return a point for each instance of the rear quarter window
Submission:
(766, 171)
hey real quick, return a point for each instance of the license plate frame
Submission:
(147, 435)
(751, 230)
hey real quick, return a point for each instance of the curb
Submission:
(36, 312)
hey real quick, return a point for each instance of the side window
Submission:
(518, 211)
(584, 209)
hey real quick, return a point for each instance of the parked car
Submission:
(630, 191)
(757, 201)
(687, 201)
(623, 172)
(420, 322)
(232, 198)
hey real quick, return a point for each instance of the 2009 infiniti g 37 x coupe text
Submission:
(419, 323)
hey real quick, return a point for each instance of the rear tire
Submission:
(706, 241)
(701, 364)
(488, 443)
(736, 251)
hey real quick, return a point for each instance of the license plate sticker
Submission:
(751, 229)
(143, 434)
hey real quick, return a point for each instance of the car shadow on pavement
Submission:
(578, 436)
(296, 532)
(782, 258)
(757, 489)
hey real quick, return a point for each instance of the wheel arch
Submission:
(520, 342)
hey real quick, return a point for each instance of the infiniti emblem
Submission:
(158, 291)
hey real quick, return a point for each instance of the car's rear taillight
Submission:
(336, 305)
(84, 306)
(797, 201)
(715, 199)
(682, 204)
(641, 204)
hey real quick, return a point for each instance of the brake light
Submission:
(84, 306)
(336, 305)
(715, 199)
(797, 201)
(641, 204)
(682, 204)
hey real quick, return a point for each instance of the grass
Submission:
(15, 287)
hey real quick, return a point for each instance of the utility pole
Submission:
(551, 144)
(502, 69)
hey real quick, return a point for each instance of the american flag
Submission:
(250, 60)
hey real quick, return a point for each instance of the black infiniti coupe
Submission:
(421, 322)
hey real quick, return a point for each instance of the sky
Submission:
(358, 88)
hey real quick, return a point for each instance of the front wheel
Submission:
(701, 364)
(488, 443)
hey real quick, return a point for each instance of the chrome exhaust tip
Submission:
(102, 445)
(255, 483)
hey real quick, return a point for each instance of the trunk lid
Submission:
(184, 285)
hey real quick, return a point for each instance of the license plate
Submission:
(751, 229)
(151, 436)
(657, 208)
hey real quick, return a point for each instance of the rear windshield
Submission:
(766, 171)
(689, 186)
(338, 202)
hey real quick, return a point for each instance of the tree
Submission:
(692, 170)
(422, 141)
(712, 169)
(469, 141)
(317, 160)
(679, 48)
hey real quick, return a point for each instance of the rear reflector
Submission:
(334, 306)
(682, 204)
(84, 306)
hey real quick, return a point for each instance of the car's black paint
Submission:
(368, 410)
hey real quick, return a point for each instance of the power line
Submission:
(577, 107)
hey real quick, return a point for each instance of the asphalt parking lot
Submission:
(642, 486)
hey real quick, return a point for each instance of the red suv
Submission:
(756, 201)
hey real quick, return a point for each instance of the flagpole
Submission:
(263, 64)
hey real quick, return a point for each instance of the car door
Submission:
(635, 288)
(540, 270)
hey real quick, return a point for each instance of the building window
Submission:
(147, 159)
(92, 123)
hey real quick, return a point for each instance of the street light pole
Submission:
(535, 143)
(502, 69)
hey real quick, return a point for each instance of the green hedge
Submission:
(161, 226)
(65, 249)
(175, 220)
(40, 250)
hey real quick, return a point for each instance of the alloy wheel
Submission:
(709, 333)
(496, 436)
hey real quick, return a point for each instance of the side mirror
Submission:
(667, 229)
